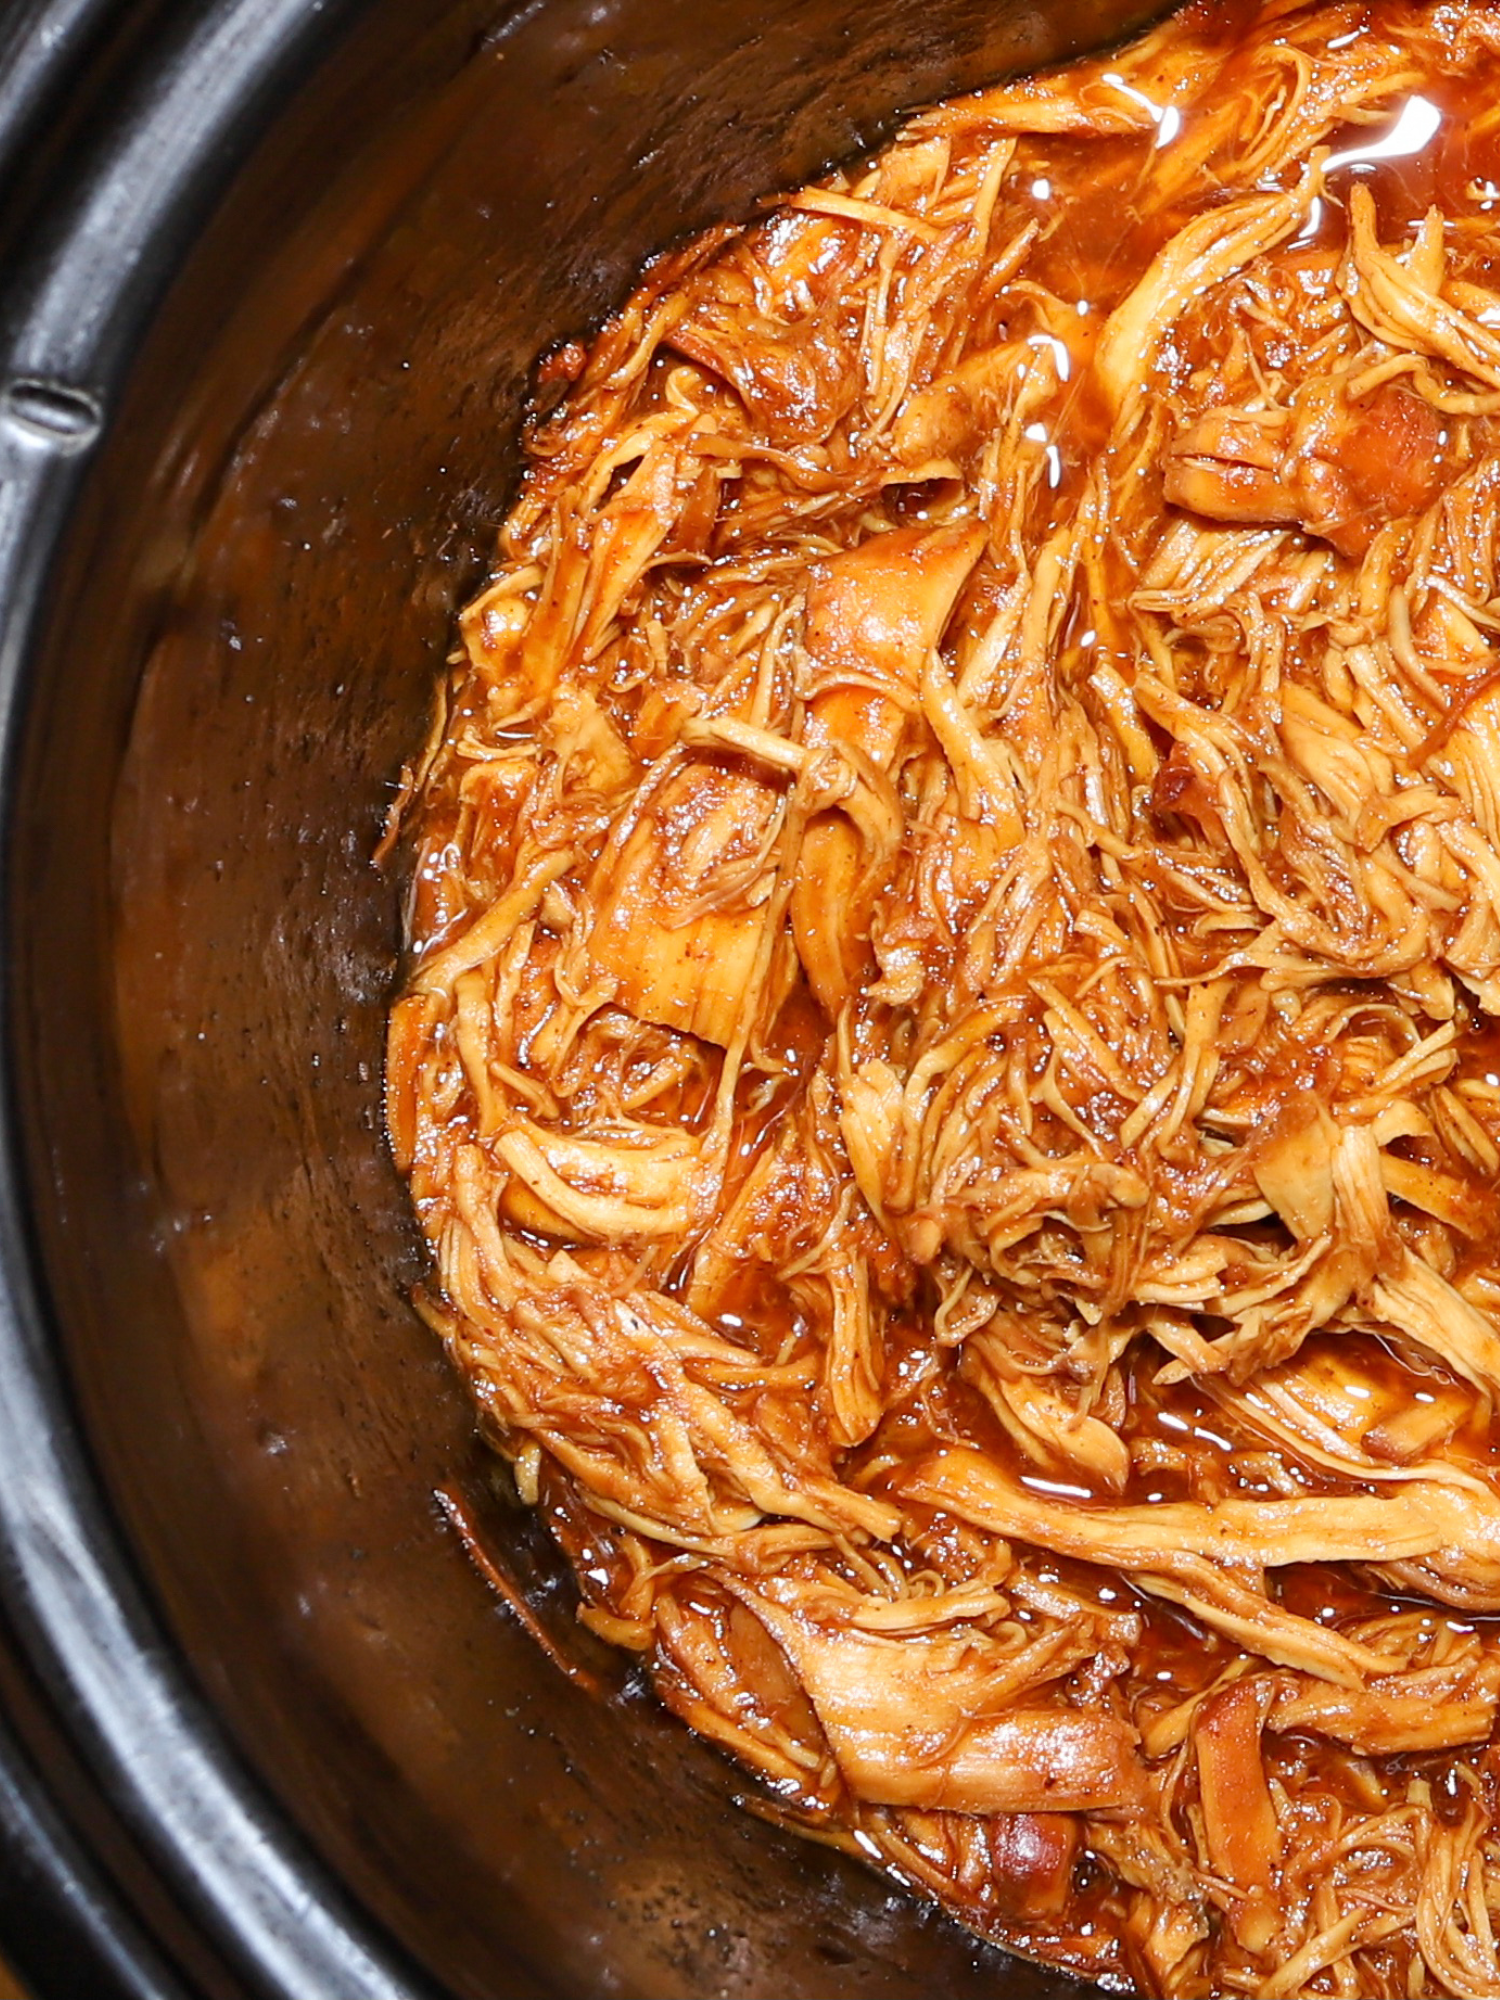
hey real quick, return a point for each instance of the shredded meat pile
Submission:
(950, 1062)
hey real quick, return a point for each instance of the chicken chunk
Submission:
(1338, 468)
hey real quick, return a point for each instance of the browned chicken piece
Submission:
(1432, 1709)
(681, 903)
(1239, 1815)
(873, 615)
(1034, 1855)
(947, 1719)
(1339, 469)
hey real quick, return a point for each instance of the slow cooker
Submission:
(272, 276)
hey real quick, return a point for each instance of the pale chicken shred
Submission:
(949, 1064)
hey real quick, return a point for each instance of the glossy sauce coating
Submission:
(950, 1061)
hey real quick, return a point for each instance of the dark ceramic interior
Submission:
(300, 484)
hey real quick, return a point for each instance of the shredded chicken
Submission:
(950, 1061)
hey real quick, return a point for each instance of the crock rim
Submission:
(91, 261)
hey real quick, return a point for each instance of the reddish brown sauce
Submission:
(951, 1063)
